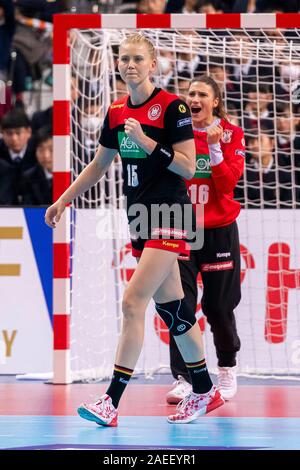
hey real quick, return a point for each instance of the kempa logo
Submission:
(203, 169)
(128, 148)
(199, 371)
(181, 327)
(123, 381)
(223, 255)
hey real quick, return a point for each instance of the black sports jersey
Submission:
(165, 119)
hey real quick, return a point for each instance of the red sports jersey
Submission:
(213, 185)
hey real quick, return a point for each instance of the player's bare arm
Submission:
(88, 178)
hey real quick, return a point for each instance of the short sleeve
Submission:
(178, 122)
(108, 136)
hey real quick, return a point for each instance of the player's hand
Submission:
(54, 213)
(214, 134)
(134, 130)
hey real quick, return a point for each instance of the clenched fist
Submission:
(214, 134)
(134, 130)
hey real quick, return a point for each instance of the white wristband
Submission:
(216, 155)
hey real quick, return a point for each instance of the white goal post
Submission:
(255, 58)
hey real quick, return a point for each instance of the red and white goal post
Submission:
(90, 267)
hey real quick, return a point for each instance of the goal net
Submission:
(258, 71)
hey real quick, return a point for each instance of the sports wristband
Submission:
(215, 153)
(163, 154)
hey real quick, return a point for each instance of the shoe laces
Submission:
(225, 376)
(104, 404)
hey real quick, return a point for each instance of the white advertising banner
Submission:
(25, 269)
(268, 316)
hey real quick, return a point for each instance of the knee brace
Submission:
(177, 315)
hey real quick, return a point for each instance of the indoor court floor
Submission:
(264, 415)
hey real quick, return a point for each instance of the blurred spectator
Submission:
(288, 146)
(142, 6)
(207, 7)
(41, 9)
(16, 145)
(41, 119)
(32, 45)
(16, 149)
(259, 109)
(218, 71)
(246, 69)
(6, 184)
(7, 28)
(121, 89)
(267, 6)
(244, 6)
(183, 87)
(5, 99)
(165, 64)
(265, 184)
(37, 181)
(232, 114)
(189, 63)
(152, 6)
(184, 6)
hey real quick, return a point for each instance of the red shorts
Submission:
(176, 246)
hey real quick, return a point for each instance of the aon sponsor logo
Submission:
(128, 148)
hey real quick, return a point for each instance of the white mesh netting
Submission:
(259, 74)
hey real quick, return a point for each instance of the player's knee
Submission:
(177, 315)
(130, 306)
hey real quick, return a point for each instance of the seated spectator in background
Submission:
(16, 147)
(7, 28)
(37, 181)
(165, 69)
(208, 6)
(268, 6)
(244, 6)
(189, 63)
(183, 87)
(151, 6)
(244, 69)
(184, 6)
(32, 44)
(258, 112)
(218, 71)
(41, 119)
(41, 9)
(7, 183)
(5, 99)
(121, 89)
(233, 114)
(264, 184)
(288, 145)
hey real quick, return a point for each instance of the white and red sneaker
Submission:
(102, 412)
(180, 390)
(227, 382)
(195, 405)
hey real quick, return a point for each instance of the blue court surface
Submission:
(150, 432)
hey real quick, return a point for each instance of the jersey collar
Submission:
(134, 106)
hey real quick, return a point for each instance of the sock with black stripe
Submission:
(119, 381)
(199, 375)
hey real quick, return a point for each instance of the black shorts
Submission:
(173, 233)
